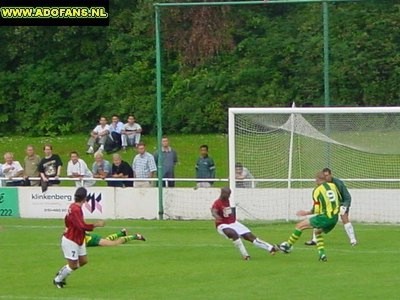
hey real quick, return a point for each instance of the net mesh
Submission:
(362, 149)
(355, 146)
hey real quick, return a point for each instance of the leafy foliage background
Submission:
(60, 80)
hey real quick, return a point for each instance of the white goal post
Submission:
(283, 148)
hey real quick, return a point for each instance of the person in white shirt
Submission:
(131, 133)
(99, 136)
(77, 168)
(11, 169)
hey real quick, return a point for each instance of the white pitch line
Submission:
(11, 297)
(159, 244)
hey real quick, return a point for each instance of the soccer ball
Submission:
(285, 247)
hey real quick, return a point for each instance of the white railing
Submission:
(83, 179)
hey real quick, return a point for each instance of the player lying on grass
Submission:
(73, 240)
(326, 210)
(345, 202)
(225, 221)
(115, 239)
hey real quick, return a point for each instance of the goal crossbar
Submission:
(314, 110)
(224, 3)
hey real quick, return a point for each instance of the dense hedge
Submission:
(59, 80)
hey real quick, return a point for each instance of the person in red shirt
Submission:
(228, 226)
(73, 239)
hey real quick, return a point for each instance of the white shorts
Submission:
(237, 226)
(71, 249)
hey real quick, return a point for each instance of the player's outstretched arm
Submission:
(99, 223)
(303, 213)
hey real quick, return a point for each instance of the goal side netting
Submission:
(279, 150)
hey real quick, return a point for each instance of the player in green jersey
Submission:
(115, 239)
(326, 210)
(345, 202)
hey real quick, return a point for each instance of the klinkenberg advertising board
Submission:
(55, 201)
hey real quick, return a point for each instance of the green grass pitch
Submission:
(190, 260)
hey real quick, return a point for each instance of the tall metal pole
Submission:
(290, 165)
(327, 96)
(325, 9)
(159, 113)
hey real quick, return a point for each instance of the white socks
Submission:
(257, 242)
(63, 273)
(350, 233)
(261, 244)
(314, 238)
(239, 244)
(348, 227)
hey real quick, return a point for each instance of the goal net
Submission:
(274, 154)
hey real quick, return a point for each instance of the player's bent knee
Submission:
(318, 231)
(73, 264)
(305, 224)
(345, 218)
(83, 263)
(230, 233)
(249, 236)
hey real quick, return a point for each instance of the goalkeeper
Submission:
(345, 202)
(115, 239)
(325, 209)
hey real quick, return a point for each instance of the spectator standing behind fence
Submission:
(143, 166)
(77, 168)
(120, 169)
(241, 174)
(98, 136)
(205, 167)
(11, 169)
(50, 166)
(101, 168)
(169, 160)
(131, 133)
(31, 166)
